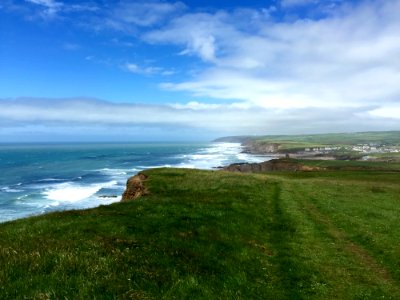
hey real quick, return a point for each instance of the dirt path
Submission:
(340, 237)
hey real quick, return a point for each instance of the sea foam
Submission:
(71, 192)
(216, 155)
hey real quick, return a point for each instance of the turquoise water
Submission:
(35, 179)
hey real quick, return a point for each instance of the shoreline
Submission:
(48, 188)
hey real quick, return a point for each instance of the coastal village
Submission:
(362, 146)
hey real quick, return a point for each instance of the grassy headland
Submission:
(380, 145)
(213, 234)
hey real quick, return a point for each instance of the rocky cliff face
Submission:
(257, 147)
(135, 187)
(269, 166)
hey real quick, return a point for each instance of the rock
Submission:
(135, 187)
(270, 165)
(260, 147)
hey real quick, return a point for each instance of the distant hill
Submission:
(378, 137)
(374, 145)
(234, 139)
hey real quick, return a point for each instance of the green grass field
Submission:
(379, 137)
(217, 235)
(342, 141)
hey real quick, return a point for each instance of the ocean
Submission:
(39, 178)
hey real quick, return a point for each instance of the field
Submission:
(212, 234)
(343, 146)
(354, 138)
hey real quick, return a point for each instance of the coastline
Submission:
(310, 148)
(43, 178)
(80, 176)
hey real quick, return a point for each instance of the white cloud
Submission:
(289, 3)
(47, 3)
(389, 111)
(349, 58)
(218, 118)
(194, 105)
(132, 68)
(148, 70)
(196, 32)
(142, 14)
(51, 7)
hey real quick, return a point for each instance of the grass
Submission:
(379, 137)
(353, 138)
(341, 165)
(342, 141)
(390, 157)
(213, 234)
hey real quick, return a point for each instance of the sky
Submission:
(196, 70)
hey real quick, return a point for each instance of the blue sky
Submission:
(195, 70)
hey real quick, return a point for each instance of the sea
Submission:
(40, 178)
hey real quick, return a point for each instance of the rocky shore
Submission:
(278, 150)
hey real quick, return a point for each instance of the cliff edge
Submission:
(135, 187)
(282, 164)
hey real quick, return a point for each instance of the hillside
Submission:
(380, 145)
(379, 137)
(216, 234)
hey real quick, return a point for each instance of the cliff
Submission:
(135, 187)
(257, 147)
(271, 165)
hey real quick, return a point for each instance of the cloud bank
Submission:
(213, 119)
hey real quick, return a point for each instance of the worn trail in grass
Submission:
(295, 276)
(364, 249)
(205, 235)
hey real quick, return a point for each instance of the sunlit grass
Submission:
(213, 234)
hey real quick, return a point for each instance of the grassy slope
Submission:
(352, 165)
(294, 143)
(380, 137)
(204, 234)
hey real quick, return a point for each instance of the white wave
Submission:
(107, 200)
(251, 158)
(50, 179)
(217, 155)
(70, 192)
(8, 214)
(22, 197)
(113, 172)
(204, 156)
(8, 189)
(186, 166)
(155, 166)
(226, 148)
